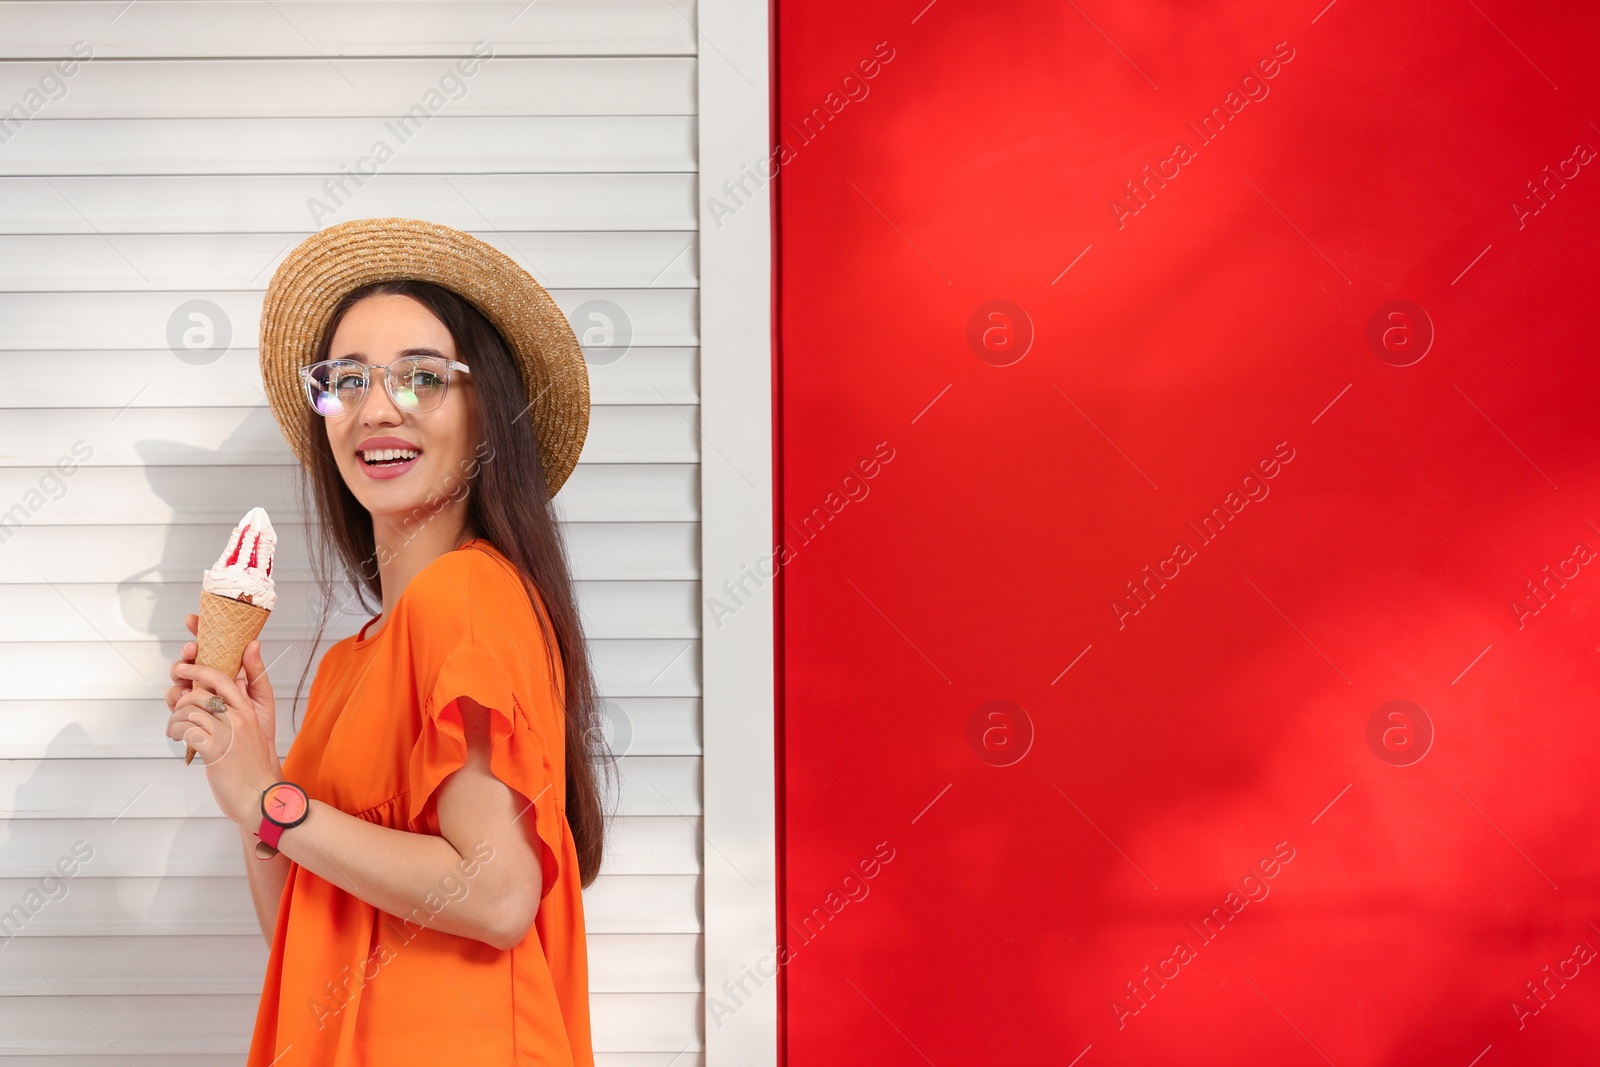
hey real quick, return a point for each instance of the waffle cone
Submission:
(226, 627)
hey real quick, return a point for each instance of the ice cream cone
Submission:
(226, 627)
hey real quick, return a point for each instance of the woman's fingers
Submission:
(258, 684)
(183, 720)
(186, 654)
(181, 684)
(214, 680)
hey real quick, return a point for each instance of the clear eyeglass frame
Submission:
(406, 397)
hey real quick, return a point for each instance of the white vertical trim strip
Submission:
(736, 537)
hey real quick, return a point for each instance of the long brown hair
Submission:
(508, 505)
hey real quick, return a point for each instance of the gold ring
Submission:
(216, 705)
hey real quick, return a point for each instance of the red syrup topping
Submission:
(237, 548)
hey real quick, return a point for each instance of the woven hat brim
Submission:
(330, 263)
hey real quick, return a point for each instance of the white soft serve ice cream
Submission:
(245, 566)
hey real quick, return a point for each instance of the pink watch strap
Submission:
(269, 832)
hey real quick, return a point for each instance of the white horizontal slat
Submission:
(158, 203)
(182, 903)
(337, 28)
(87, 262)
(646, 1022)
(383, 87)
(35, 552)
(315, 148)
(50, 729)
(176, 903)
(134, 611)
(651, 845)
(130, 1025)
(165, 788)
(656, 904)
(202, 964)
(198, 437)
(109, 378)
(141, 852)
(163, 1025)
(619, 492)
(52, 321)
(197, 965)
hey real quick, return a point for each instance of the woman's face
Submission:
(377, 330)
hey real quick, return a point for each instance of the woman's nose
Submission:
(378, 392)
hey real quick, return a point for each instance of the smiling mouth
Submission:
(388, 457)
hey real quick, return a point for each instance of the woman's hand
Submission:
(259, 691)
(239, 746)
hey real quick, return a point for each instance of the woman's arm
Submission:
(492, 896)
(266, 881)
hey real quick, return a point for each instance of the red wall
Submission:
(1004, 795)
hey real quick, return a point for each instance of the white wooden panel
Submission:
(137, 851)
(47, 321)
(203, 964)
(617, 492)
(318, 147)
(165, 788)
(741, 888)
(161, 1024)
(157, 179)
(181, 903)
(277, 203)
(54, 728)
(134, 611)
(194, 437)
(600, 551)
(88, 262)
(377, 87)
(340, 28)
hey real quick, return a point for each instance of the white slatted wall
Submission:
(177, 165)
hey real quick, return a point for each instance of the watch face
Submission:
(284, 803)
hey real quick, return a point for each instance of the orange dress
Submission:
(349, 985)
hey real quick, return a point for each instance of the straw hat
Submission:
(330, 263)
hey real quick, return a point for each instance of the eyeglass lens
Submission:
(336, 387)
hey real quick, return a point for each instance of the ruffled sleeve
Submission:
(521, 755)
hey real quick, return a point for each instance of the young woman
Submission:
(417, 859)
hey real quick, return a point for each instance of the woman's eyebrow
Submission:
(361, 357)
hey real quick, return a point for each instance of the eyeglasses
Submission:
(336, 387)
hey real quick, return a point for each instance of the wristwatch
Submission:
(283, 804)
